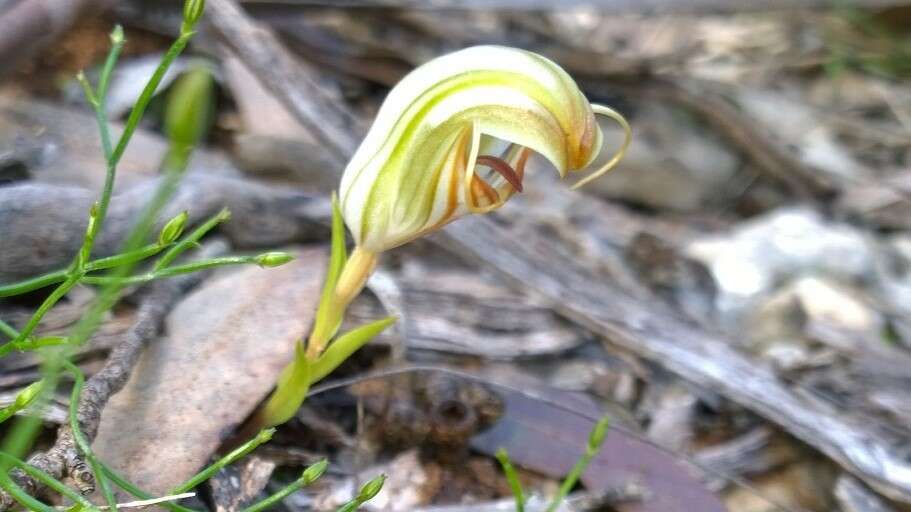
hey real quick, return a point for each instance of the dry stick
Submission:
(311, 103)
(646, 329)
(153, 308)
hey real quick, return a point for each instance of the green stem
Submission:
(513, 478)
(131, 488)
(33, 283)
(278, 496)
(595, 440)
(80, 439)
(191, 240)
(21, 496)
(32, 344)
(100, 103)
(8, 330)
(46, 306)
(125, 258)
(39, 282)
(23, 399)
(117, 41)
(243, 450)
(135, 116)
(171, 271)
(146, 96)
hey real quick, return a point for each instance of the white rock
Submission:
(816, 308)
(776, 247)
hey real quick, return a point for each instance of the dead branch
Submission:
(64, 458)
(313, 104)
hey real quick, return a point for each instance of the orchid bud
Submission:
(430, 155)
(173, 228)
(273, 259)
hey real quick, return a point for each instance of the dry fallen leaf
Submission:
(224, 348)
(545, 439)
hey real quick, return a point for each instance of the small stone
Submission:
(789, 242)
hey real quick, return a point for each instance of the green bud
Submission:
(173, 229)
(598, 433)
(117, 35)
(27, 395)
(314, 471)
(190, 106)
(192, 11)
(371, 489)
(264, 435)
(273, 259)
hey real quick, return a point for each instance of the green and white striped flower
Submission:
(425, 160)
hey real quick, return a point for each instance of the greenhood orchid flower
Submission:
(420, 165)
(452, 138)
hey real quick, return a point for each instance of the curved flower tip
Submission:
(453, 137)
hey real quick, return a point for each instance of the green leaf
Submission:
(23, 399)
(290, 392)
(346, 345)
(371, 489)
(314, 471)
(327, 318)
(513, 478)
(273, 259)
(173, 229)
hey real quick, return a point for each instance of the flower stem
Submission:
(354, 276)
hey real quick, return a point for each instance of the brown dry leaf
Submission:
(542, 438)
(226, 344)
